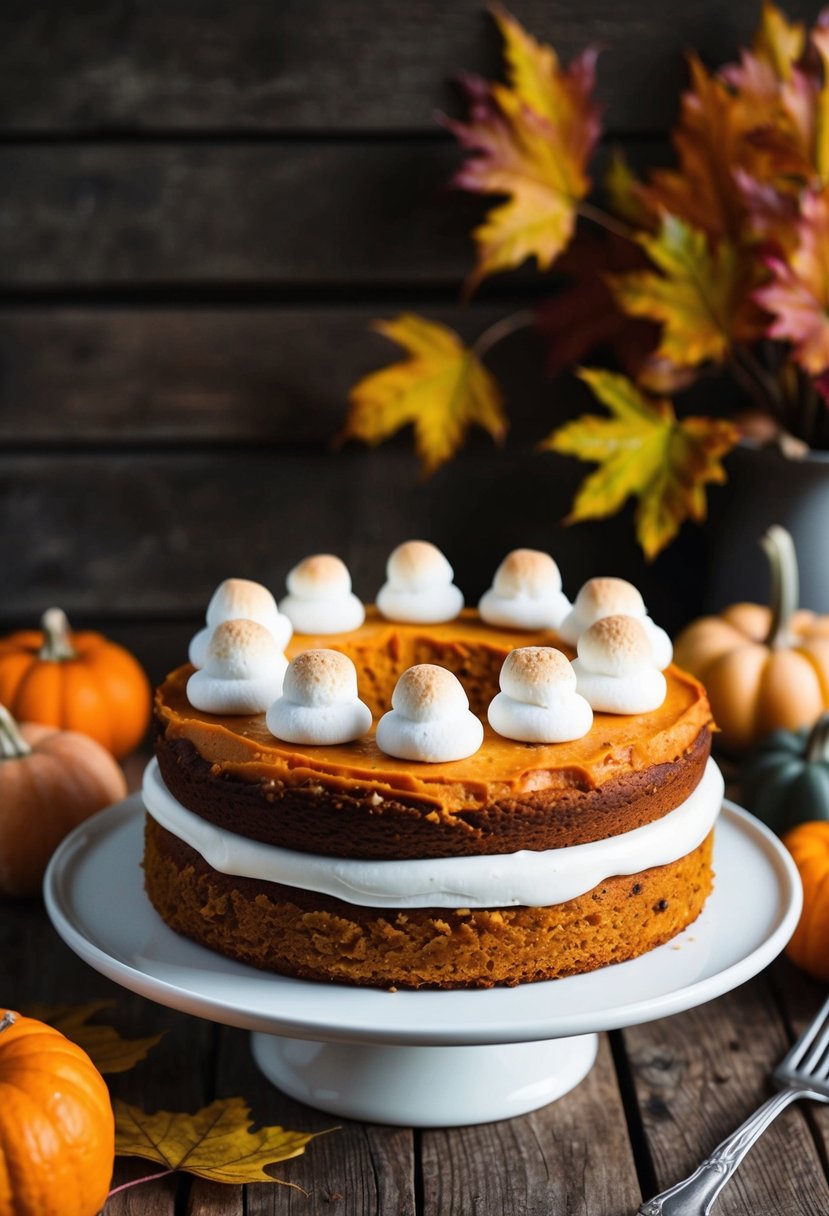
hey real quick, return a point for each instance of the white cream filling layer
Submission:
(525, 878)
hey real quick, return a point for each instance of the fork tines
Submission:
(808, 1058)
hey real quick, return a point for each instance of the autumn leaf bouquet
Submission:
(719, 263)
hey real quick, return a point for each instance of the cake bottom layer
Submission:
(316, 937)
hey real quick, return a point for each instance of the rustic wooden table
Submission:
(659, 1098)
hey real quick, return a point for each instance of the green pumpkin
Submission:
(785, 780)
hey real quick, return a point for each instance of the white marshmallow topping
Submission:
(242, 673)
(319, 702)
(538, 701)
(320, 599)
(525, 593)
(240, 599)
(615, 668)
(430, 718)
(419, 587)
(601, 597)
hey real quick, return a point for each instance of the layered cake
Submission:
(430, 796)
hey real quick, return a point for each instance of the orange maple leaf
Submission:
(701, 295)
(441, 389)
(533, 139)
(733, 126)
(643, 450)
(798, 295)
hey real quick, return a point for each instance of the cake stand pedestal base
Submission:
(425, 1086)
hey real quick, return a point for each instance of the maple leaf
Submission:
(644, 451)
(441, 389)
(798, 294)
(624, 192)
(722, 133)
(775, 49)
(701, 297)
(583, 315)
(216, 1143)
(778, 42)
(709, 146)
(109, 1052)
(531, 140)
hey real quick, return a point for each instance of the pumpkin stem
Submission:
(8, 1019)
(57, 640)
(785, 584)
(817, 745)
(12, 743)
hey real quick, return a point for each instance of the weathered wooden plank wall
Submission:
(203, 205)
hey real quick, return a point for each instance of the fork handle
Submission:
(695, 1196)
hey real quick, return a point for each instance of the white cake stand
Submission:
(422, 1059)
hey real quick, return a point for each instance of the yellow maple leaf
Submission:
(778, 42)
(106, 1048)
(440, 389)
(216, 1143)
(644, 451)
(701, 297)
(531, 140)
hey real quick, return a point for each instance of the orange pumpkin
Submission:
(764, 668)
(57, 1132)
(49, 782)
(76, 681)
(808, 844)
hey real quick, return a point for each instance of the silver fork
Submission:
(802, 1073)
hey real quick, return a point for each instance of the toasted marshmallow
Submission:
(525, 593)
(319, 702)
(601, 597)
(238, 599)
(242, 673)
(538, 702)
(320, 599)
(419, 586)
(615, 668)
(430, 718)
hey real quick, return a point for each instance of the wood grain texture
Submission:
(368, 65)
(189, 376)
(697, 1076)
(354, 1169)
(38, 968)
(317, 216)
(149, 535)
(333, 213)
(537, 1164)
(799, 998)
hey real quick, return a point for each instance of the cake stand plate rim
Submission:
(142, 954)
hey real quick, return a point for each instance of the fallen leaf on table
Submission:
(441, 389)
(216, 1143)
(643, 450)
(699, 295)
(532, 140)
(109, 1052)
(798, 295)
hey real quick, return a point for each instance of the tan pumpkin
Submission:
(76, 681)
(50, 781)
(808, 844)
(765, 668)
(57, 1132)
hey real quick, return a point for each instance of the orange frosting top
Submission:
(243, 747)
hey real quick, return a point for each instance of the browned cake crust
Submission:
(359, 824)
(309, 936)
